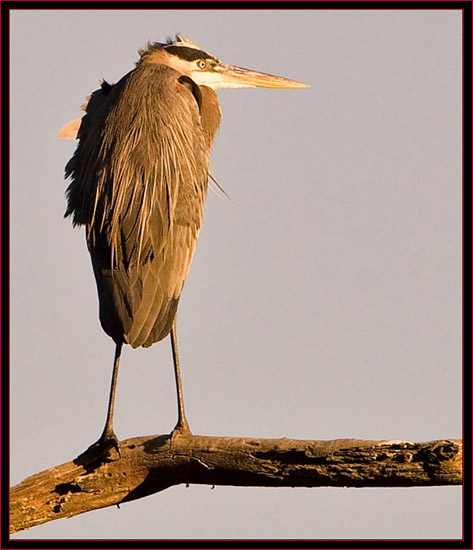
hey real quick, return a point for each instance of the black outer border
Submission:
(6, 6)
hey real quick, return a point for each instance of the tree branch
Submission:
(151, 464)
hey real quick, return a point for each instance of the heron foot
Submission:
(181, 429)
(105, 449)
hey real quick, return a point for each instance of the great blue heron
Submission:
(139, 181)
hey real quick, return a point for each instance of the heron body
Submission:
(142, 208)
(139, 182)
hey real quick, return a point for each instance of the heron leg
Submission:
(182, 426)
(108, 433)
(99, 450)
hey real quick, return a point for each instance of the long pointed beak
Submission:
(230, 76)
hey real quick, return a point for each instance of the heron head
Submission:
(206, 70)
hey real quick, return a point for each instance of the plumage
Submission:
(138, 185)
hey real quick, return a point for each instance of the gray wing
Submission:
(139, 180)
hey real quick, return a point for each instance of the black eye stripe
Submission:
(189, 54)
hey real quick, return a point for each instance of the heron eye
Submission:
(202, 64)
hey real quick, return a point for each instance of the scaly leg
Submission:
(182, 426)
(108, 439)
(108, 433)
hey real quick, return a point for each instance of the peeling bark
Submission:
(150, 464)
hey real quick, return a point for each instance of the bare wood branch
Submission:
(151, 464)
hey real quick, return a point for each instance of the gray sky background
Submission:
(323, 302)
